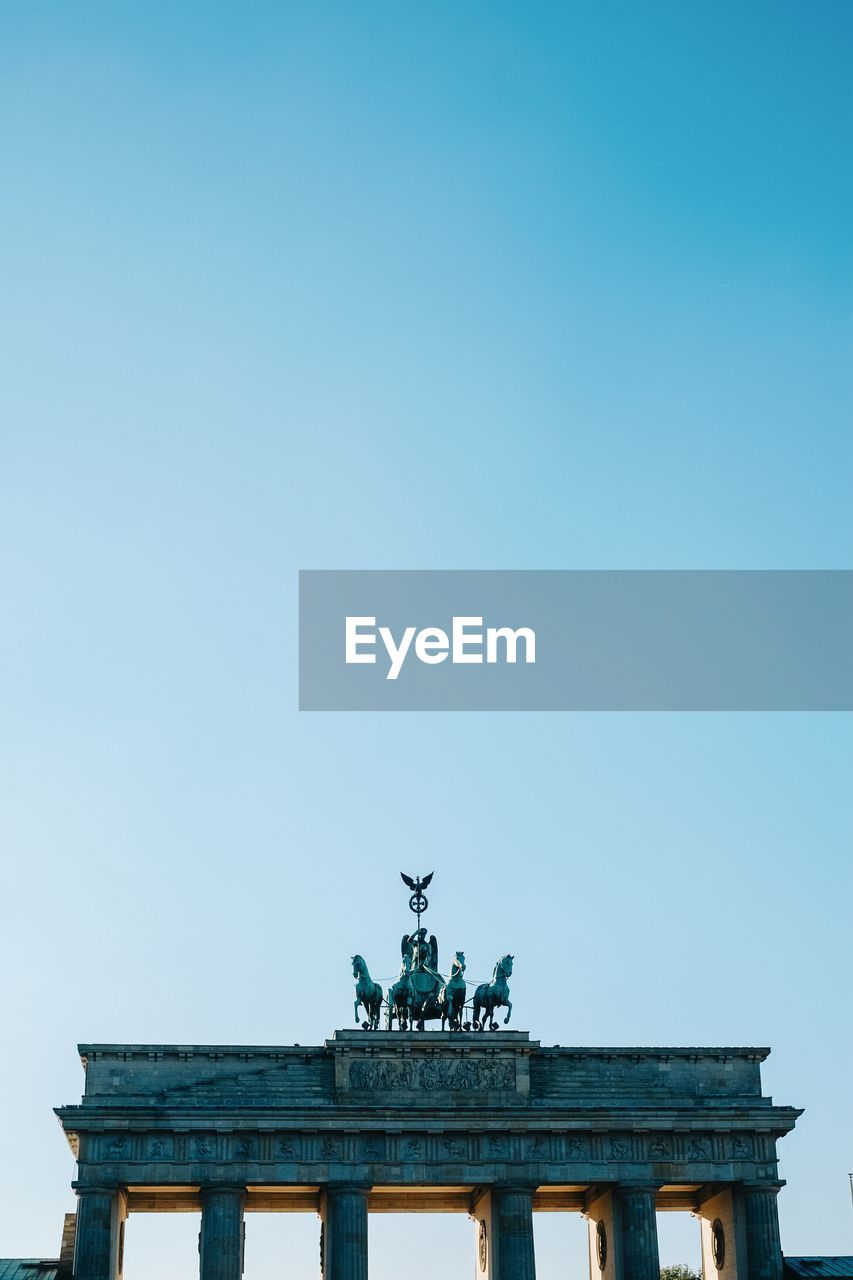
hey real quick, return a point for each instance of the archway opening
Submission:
(562, 1246)
(164, 1245)
(680, 1240)
(421, 1246)
(282, 1244)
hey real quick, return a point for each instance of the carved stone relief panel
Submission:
(432, 1075)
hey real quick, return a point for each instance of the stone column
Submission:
(640, 1259)
(761, 1223)
(100, 1216)
(503, 1220)
(221, 1240)
(512, 1219)
(345, 1232)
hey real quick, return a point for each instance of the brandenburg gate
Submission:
(471, 1119)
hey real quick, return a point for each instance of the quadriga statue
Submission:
(421, 993)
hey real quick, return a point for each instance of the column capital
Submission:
(755, 1188)
(212, 1188)
(96, 1189)
(343, 1188)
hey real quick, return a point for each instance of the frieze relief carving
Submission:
(432, 1076)
(160, 1149)
(453, 1149)
(537, 1147)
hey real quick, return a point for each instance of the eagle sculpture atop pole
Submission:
(418, 901)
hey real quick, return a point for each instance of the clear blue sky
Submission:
(393, 285)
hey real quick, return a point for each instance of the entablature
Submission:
(411, 1109)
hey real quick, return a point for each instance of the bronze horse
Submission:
(367, 993)
(399, 1003)
(451, 997)
(493, 995)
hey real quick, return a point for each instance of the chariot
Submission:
(421, 994)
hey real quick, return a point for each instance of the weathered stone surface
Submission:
(344, 1211)
(639, 1233)
(98, 1251)
(512, 1218)
(221, 1241)
(435, 1068)
(488, 1123)
(460, 1109)
(763, 1248)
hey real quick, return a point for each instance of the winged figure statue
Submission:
(419, 952)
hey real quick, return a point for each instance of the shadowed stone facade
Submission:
(491, 1124)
